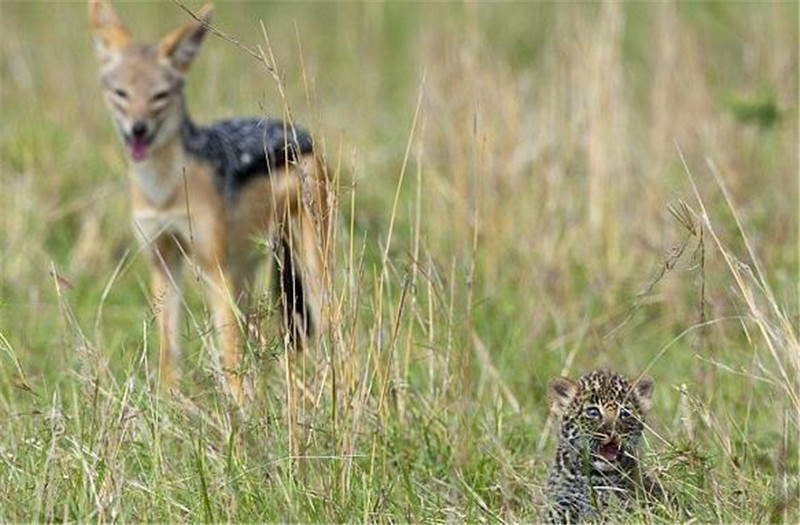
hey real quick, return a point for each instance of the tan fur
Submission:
(177, 208)
(107, 26)
(170, 43)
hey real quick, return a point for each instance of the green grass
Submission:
(532, 237)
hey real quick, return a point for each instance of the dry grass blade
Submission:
(783, 343)
(257, 56)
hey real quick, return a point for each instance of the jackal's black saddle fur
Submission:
(245, 148)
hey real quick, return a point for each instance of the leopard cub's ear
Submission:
(643, 392)
(561, 392)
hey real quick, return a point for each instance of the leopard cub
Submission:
(596, 469)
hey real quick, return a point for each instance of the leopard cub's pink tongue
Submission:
(609, 451)
(138, 149)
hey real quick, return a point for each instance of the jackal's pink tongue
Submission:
(138, 149)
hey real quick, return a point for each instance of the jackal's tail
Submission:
(299, 279)
(298, 319)
(303, 251)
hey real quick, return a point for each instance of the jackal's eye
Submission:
(161, 95)
(592, 412)
(121, 93)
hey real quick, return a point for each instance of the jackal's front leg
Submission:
(223, 310)
(166, 266)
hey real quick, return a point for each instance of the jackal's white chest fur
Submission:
(158, 181)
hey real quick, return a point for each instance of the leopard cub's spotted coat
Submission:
(596, 468)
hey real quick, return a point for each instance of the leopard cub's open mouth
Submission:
(609, 451)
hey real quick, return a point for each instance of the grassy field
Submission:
(525, 190)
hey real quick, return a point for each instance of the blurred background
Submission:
(514, 205)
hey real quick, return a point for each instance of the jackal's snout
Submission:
(139, 139)
(139, 129)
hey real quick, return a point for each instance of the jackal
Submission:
(205, 194)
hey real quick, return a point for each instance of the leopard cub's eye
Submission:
(624, 413)
(593, 412)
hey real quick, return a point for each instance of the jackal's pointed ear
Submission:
(181, 46)
(110, 36)
(643, 392)
(561, 392)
